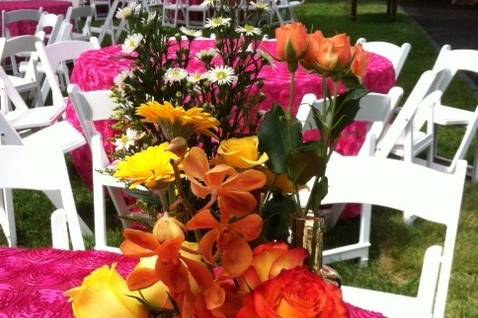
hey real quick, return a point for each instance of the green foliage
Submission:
(276, 214)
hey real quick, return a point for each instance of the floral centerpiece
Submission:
(218, 184)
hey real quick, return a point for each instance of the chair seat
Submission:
(22, 84)
(421, 141)
(445, 115)
(35, 117)
(295, 4)
(390, 305)
(61, 134)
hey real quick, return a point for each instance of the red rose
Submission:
(295, 293)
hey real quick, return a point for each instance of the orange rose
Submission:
(295, 293)
(291, 42)
(309, 61)
(360, 61)
(269, 260)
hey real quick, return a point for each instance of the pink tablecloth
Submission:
(96, 70)
(32, 281)
(21, 28)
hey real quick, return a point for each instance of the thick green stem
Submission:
(291, 92)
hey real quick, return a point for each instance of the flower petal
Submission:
(168, 252)
(246, 181)
(202, 220)
(195, 163)
(289, 260)
(206, 245)
(249, 227)
(128, 248)
(143, 239)
(214, 296)
(142, 278)
(199, 189)
(200, 273)
(216, 176)
(235, 203)
(236, 256)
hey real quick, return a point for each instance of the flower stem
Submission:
(291, 92)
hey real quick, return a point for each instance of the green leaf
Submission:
(276, 217)
(146, 196)
(320, 192)
(306, 162)
(347, 107)
(278, 135)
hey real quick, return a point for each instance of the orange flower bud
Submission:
(360, 61)
(168, 228)
(291, 42)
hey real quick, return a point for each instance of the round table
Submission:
(32, 281)
(22, 28)
(96, 70)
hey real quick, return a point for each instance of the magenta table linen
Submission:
(96, 70)
(32, 281)
(22, 28)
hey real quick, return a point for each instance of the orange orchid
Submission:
(227, 239)
(223, 183)
(269, 260)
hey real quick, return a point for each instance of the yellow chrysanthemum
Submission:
(176, 121)
(150, 168)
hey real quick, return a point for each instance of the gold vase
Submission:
(308, 233)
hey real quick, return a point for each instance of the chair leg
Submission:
(364, 234)
(474, 171)
(8, 222)
(59, 230)
(119, 204)
(99, 215)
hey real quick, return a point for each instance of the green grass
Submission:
(397, 250)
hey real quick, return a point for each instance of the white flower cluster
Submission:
(261, 6)
(221, 75)
(127, 140)
(131, 43)
(121, 77)
(249, 30)
(217, 22)
(175, 74)
(126, 12)
(206, 54)
(191, 32)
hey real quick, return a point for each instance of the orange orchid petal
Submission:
(143, 239)
(142, 278)
(206, 244)
(174, 276)
(217, 175)
(168, 252)
(250, 227)
(199, 189)
(195, 163)
(214, 296)
(128, 248)
(236, 256)
(202, 220)
(246, 181)
(251, 278)
(200, 273)
(289, 260)
(236, 203)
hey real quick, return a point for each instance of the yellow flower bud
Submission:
(168, 228)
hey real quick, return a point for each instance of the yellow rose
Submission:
(103, 294)
(157, 294)
(168, 228)
(241, 153)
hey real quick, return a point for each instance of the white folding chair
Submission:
(196, 9)
(12, 47)
(49, 20)
(17, 16)
(434, 195)
(397, 55)
(54, 57)
(90, 107)
(455, 60)
(283, 10)
(108, 26)
(171, 10)
(37, 168)
(376, 109)
(75, 15)
(97, 3)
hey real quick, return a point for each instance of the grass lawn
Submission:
(397, 249)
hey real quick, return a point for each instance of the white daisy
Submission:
(121, 77)
(191, 32)
(175, 74)
(195, 78)
(261, 6)
(249, 30)
(206, 54)
(124, 13)
(131, 43)
(221, 75)
(127, 140)
(208, 3)
(217, 22)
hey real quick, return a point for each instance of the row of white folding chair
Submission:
(282, 11)
(109, 27)
(90, 107)
(51, 57)
(375, 109)
(172, 9)
(8, 17)
(397, 55)
(75, 15)
(434, 196)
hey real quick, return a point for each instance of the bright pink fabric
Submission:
(22, 28)
(96, 70)
(32, 281)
